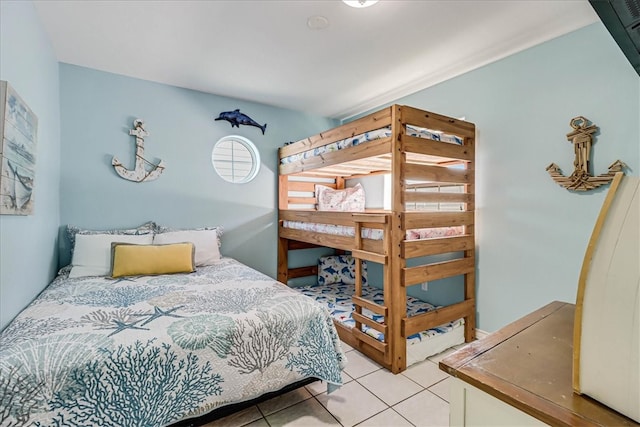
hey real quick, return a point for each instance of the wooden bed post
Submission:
(283, 192)
(283, 260)
(395, 294)
(283, 244)
(470, 278)
(358, 269)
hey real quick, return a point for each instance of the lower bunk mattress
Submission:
(337, 298)
(373, 233)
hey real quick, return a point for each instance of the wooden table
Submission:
(521, 375)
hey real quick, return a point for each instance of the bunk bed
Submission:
(430, 161)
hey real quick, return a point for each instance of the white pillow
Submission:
(205, 241)
(92, 252)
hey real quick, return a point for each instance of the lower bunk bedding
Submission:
(155, 350)
(337, 298)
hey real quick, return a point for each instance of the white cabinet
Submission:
(473, 407)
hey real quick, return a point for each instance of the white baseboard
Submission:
(481, 334)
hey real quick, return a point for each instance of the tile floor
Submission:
(370, 396)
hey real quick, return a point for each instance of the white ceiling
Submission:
(263, 51)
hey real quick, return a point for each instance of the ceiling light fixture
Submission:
(317, 22)
(360, 3)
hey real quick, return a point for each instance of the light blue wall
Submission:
(532, 233)
(28, 254)
(98, 109)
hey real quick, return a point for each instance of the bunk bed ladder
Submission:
(359, 302)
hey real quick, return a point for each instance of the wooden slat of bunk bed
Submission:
(424, 247)
(437, 270)
(437, 317)
(335, 218)
(376, 120)
(308, 187)
(369, 256)
(346, 335)
(370, 149)
(295, 245)
(417, 219)
(329, 240)
(301, 200)
(423, 197)
(434, 173)
(429, 120)
(371, 217)
(283, 192)
(311, 270)
(429, 147)
(372, 306)
(369, 322)
(380, 346)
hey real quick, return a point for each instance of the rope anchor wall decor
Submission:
(581, 179)
(140, 173)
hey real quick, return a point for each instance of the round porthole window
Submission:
(235, 159)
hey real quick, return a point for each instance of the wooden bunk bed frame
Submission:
(410, 161)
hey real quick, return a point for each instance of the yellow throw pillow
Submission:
(143, 260)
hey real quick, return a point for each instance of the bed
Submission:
(157, 349)
(429, 160)
(337, 298)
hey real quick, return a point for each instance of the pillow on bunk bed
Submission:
(348, 200)
(434, 135)
(206, 242)
(92, 254)
(129, 259)
(339, 269)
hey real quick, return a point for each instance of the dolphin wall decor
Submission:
(236, 118)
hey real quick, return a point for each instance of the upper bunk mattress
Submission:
(371, 136)
(337, 298)
(373, 233)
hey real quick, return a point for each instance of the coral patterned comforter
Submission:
(153, 350)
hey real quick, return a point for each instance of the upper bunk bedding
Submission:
(371, 136)
(154, 350)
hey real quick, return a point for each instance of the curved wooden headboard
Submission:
(606, 340)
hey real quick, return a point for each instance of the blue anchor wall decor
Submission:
(140, 173)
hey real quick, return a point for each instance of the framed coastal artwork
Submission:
(19, 129)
